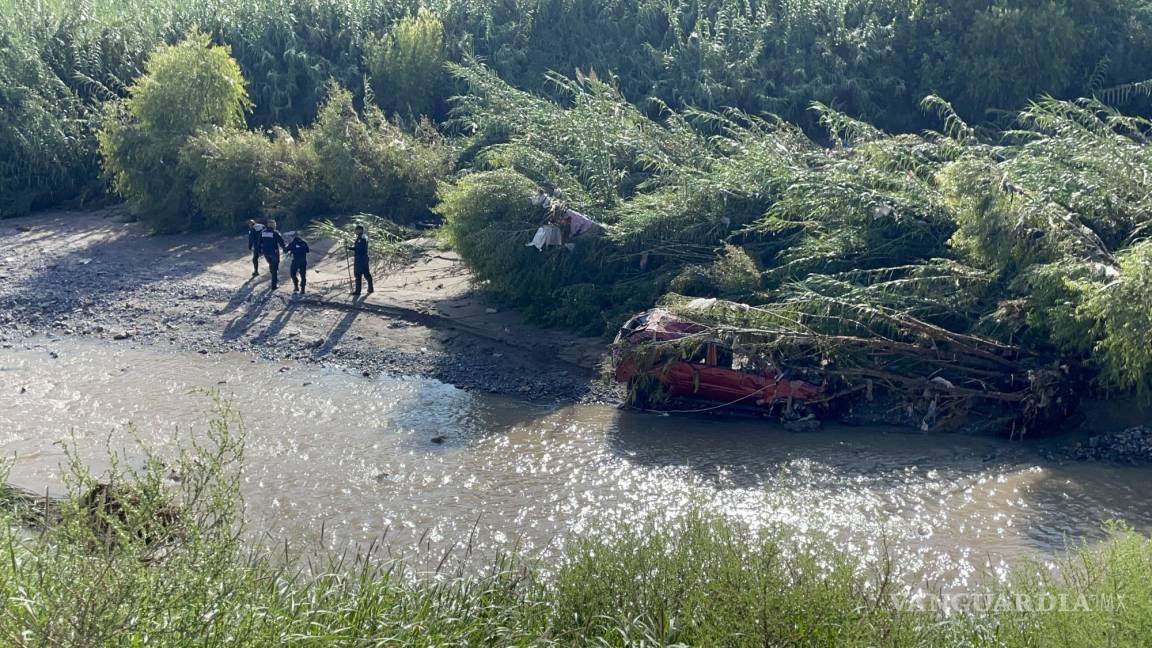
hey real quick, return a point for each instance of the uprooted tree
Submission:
(1010, 266)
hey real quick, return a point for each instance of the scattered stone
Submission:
(119, 298)
(1133, 445)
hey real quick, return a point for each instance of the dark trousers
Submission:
(256, 260)
(362, 272)
(273, 267)
(299, 274)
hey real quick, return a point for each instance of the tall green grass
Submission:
(172, 564)
(874, 59)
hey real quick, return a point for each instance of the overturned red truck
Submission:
(712, 373)
(677, 363)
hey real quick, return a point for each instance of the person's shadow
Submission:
(281, 320)
(338, 330)
(241, 324)
(241, 295)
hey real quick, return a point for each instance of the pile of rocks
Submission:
(1133, 445)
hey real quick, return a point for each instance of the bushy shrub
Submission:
(489, 220)
(293, 185)
(186, 87)
(1121, 320)
(407, 66)
(371, 165)
(241, 175)
(226, 168)
(735, 273)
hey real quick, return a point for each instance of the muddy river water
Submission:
(355, 454)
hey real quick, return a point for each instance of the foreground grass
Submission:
(145, 571)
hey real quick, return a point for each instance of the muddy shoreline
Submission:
(88, 275)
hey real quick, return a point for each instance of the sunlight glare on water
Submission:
(356, 455)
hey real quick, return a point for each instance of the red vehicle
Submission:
(712, 373)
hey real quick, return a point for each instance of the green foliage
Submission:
(735, 273)
(241, 175)
(702, 580)
(151, 559)
(132, 549)
(407, 66)
(999, 54)
(1119, 313)
(1013, 240)
(371, 165)
(186, 87)
(489, 218)
(62, 59)
(386, 240)
(44, 153)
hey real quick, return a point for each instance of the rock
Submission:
(122, 335)
(491, 311)
(1133, 445)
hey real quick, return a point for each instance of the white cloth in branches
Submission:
(546, 236)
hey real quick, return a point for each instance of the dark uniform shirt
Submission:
(271, 242)
(298, 248)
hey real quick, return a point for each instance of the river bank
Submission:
(110, 339)
(427, 464)
(92, 275)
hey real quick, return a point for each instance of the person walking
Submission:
(271, 242)
(298, 248)
(254, 230)
(360, 261)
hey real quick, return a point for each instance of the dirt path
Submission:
(87, 274)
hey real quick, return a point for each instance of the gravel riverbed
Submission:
(90, 276)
